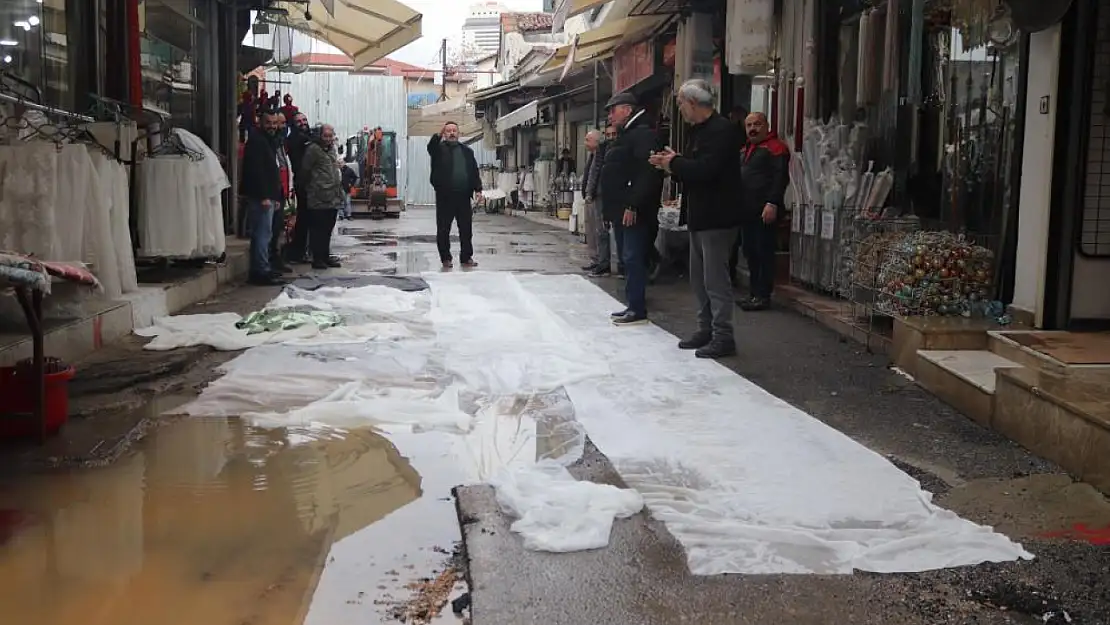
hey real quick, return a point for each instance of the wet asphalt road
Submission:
(641, 578)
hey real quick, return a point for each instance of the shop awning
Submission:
(581, 6)
(365, 30)
(522, 115)
(599, 43)
(492, 92)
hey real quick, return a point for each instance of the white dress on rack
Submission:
(28, 184)
(168, 215)
(71, 206)
(101, 252)
(114, 181)
(212, 180)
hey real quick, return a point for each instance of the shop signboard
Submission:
(633, 63)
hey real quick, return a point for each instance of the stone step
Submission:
(1062, 418)
(1003, 344)
(964, 379)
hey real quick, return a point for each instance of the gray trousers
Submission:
(709, 276)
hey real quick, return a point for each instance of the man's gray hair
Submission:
(697, 91)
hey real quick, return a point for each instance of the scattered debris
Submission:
(430, 595)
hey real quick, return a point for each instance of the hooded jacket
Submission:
(323, 183)
(628, 180)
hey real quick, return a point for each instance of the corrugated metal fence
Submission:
(351, 102)
(418, 190)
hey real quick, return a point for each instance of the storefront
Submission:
(1063, 238)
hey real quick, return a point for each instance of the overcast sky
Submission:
(444, 18)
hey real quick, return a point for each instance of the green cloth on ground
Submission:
(287, 319)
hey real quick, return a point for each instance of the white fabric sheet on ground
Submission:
(746, 482)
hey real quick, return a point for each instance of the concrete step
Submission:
(965, 379)
(1063, 418)
(1003, 344)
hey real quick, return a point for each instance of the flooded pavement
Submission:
(214, 521)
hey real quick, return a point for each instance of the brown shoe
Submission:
(470, 264)
(448, 264)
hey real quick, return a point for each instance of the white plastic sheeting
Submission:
(517, 365)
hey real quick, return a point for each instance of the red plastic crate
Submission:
(16, 396)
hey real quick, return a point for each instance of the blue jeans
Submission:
(346, 211)
(634, 240)
(260, 224)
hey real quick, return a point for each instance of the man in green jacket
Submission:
(323, 194)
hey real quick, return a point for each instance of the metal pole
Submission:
(443, 82)
(597, 110)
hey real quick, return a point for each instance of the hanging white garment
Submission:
(71, 203)
(27, 199)
(212, 181)
(114, 179)
(102, 248)
(168, 207)
(749, 36)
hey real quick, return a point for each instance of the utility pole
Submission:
(443, 67)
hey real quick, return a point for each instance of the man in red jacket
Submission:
(764, 177)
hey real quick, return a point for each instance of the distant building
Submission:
(481, 31)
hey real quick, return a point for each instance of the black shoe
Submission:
(320, 266)
(447, 264)
(717, 349)
(754, 304)
(619, 313)
(697, 341)
(590, 268)
(334, 264)
(265, 281)
(630, 319)
(600, 271)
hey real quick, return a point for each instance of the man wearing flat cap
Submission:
(632, 187)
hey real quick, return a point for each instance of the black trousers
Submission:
(321, 222)
(452, 207)
(298, 249)
(759, 250)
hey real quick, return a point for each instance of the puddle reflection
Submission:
(210, 521)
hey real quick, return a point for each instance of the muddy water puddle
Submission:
(212, 521)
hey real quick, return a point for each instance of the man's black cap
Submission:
(623, 97)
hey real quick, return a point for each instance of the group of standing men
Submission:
(291, 162)
(733, 179)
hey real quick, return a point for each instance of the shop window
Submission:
(172, 32)
(973, 101)
(34, 48)
(1094, 235)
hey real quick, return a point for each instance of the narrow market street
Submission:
(306, 514)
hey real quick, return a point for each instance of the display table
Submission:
(30, 280)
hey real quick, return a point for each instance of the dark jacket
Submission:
(261, 177)
(324, 187)
(295, 146)
(441, 166)
(628, 180)
(709, 170)
(350, 178)
(766, 174)
(592, 178)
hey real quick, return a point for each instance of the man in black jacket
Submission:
(708, 169)
(262, 190)
(632, 187)
(456, 181)
(766, 174)
(295, 146)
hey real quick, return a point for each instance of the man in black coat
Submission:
(295, 146)
(632, 187)
(766, 175)
(261, 188)
(456, 181)
(708, 169)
